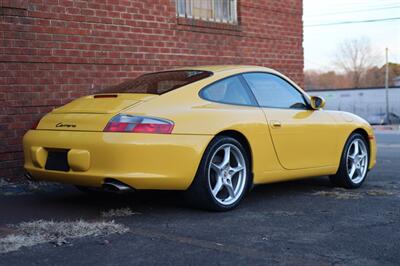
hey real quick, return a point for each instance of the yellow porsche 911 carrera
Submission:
(211, 131)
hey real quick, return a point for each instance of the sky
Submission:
(321, 42)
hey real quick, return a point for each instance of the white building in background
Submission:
(363, 102)
(396, 81)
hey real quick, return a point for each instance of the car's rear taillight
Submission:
(139, 124)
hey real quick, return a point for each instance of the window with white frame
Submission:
(211, 10)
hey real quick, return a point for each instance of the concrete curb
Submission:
(387, 128)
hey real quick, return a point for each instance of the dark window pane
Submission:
(273, 91)
(229, 90)
(159, 83)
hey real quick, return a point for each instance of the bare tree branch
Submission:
(354, 57)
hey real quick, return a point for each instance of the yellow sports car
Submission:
(213, 131)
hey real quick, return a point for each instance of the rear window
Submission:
(160, 82)
(229, 90)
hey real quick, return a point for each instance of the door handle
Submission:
(276, 124)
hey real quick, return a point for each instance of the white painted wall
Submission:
(362, 102)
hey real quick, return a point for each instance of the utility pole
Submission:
(387, 86)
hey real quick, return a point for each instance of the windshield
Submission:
(159, 83)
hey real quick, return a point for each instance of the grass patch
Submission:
(342, 193)
(4, 183)
(339, 193)
(123, 212)
(379, 192)
(26, 188)
(284, 213)
(29, 234)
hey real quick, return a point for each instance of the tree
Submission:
(375, 76)
(315, 80)
(355, 57)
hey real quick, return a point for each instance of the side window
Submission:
(230, 90)
(273, 91)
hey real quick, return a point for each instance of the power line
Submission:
(352, 22)
(349, 6)
(355, 11)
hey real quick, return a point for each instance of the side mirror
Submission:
(317, 102)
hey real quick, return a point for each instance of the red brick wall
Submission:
(52, 51)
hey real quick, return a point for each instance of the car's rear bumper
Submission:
(142, 161)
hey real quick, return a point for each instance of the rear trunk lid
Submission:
(90, 113)
(103, 103)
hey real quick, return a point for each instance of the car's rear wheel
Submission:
(354, 163)
(223, 176)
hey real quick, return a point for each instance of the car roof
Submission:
(220, 68)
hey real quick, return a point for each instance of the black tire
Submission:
(342, 177)
(199, 194)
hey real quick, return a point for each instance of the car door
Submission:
(302, 137)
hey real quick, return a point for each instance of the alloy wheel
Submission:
(227, 174)
(357, 161)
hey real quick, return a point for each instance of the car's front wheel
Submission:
(223, 177)
(354, 163)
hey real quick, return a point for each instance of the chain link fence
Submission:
(366, 103)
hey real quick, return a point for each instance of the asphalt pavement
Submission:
(305, 222)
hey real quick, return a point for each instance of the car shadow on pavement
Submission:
(152, 199)
(66, 202)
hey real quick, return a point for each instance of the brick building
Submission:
(53, 51)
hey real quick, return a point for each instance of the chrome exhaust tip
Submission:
(116, 186)
(29, 177)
